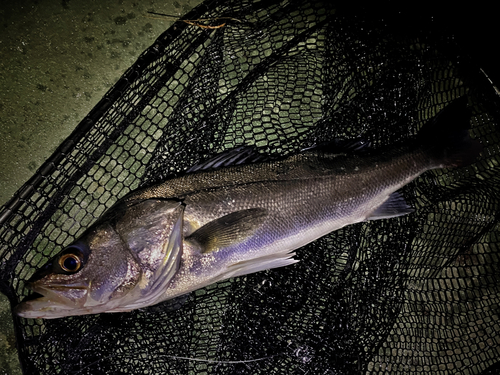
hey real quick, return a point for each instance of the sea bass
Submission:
(236, 214)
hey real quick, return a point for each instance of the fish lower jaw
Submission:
(49, 303)
(45, 308)
(42, 307)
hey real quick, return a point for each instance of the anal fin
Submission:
(266, 262)
(394, 206)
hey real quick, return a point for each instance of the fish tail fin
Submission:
(445, 138)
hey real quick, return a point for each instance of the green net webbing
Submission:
(417, 294)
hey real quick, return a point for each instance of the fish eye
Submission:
(70, 262)
(72, 258)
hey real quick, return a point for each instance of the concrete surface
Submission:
(57, 59)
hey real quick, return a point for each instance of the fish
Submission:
(237, 213)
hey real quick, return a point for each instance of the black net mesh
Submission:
(416, 294)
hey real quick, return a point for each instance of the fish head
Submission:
(123, 262)
(89, 276)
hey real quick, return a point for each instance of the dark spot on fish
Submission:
(65, 4)
(42, 88)
(131, 16)
(176, 4)
(281, 168)
(89, 39)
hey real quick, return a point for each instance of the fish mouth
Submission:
(49, 301)
(31, 297)
(36, 306)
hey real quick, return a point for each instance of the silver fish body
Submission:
(215, 223)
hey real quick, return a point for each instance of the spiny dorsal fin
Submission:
(229, 229)
(249, 154)
(340, 146)
(236, 156)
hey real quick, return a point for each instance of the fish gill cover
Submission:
(415, 294)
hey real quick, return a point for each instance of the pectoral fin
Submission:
(228, 229)
(394, 206)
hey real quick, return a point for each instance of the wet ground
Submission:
(58, 58)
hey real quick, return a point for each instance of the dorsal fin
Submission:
(236, 156)
(249, 154)
(340, 146)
